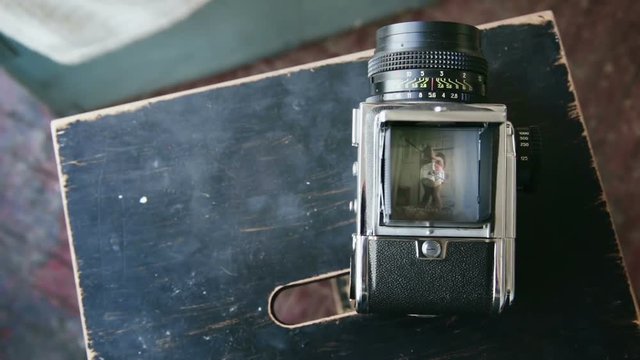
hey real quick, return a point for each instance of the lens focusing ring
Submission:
(426, 59)
(429, 61)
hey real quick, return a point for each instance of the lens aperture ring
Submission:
(428, 84)
(426, 59)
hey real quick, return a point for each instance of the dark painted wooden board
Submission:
(186, 212)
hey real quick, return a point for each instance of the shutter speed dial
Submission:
(527, 156)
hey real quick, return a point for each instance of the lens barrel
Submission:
(428, 61)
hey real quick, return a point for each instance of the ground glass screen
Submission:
(433, 173)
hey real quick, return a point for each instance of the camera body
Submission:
(424, 262)
(436, 179)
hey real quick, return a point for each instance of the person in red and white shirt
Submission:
(432, 176)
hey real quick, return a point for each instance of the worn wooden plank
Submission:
(186, 211)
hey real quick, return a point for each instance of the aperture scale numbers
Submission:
(446, 85)
(443, 84)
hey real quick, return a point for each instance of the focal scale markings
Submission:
(450, 85)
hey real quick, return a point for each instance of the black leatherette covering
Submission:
(401, 282)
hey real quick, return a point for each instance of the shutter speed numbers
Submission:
(523, 142)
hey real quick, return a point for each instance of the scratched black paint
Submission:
(247, 188)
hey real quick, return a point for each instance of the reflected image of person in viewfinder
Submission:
(432, 176)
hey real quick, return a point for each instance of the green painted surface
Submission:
(222, 35)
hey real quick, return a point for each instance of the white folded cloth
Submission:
(74, 31)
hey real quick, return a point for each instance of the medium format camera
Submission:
(436, 178)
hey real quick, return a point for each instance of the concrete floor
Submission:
(39, 316)
(38, 310)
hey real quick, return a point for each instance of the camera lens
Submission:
(428, 61)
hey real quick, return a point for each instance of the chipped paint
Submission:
(64, 179)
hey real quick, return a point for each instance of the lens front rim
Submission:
(426, 59)
(445, 52)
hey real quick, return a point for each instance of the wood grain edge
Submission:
(536, 18)
(62, 123)
(575, 112)
(91, 354)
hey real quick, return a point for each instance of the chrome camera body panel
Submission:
(407, 260)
